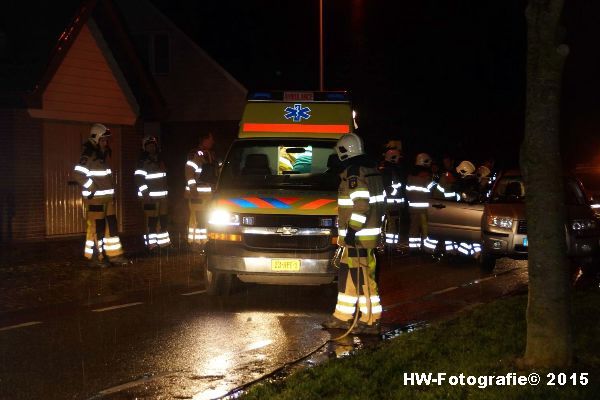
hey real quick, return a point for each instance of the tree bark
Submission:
(549, 342)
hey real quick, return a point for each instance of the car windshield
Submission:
(281, 163)
(511, 189)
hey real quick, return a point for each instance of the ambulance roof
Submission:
(301, 114)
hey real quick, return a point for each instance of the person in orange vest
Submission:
(151, 180)
(201, 171)
(98, 190)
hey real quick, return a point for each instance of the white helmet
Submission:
(465, 168)
(348, 146)
(98, 131)
(148, 140)
(423, 160)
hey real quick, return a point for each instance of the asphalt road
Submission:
(192, 346)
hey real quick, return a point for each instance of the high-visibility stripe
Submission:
(363, 232)
(345, 202)
(98, 193)
(346, 298)
(316, 204)
(156, 175)
(360, 194)
(345, 309)
(159, 194)
(191, 182)
(418, 205)
(358, 218)
(140, 172)
(82, 169)
(312, 128)
(105, 172)
(417, 189)
(88, 183)
(143, 187)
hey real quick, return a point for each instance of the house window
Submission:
(154, 50)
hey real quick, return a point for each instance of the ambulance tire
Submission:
(218, 283)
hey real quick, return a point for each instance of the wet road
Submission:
(191, 346)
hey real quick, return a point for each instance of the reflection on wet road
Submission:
(191, 346)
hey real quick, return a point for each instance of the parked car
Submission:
(502, 229)
(590, 178)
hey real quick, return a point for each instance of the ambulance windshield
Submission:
(281, 163)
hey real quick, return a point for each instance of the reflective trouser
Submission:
(430, 245)
(197, 233)
(392, 226)
(156, 212)
(101, 234)
(358, 285)
(417, 230)
(467, 249)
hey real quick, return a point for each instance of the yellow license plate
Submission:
(285, 265)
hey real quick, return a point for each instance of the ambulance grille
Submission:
(298, 221)
(279, 242)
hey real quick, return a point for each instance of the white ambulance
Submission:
(273, 215)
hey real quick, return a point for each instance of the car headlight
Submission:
(583, 224)
(500, 222)
(223, 217)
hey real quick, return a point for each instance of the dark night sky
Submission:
(441, 75)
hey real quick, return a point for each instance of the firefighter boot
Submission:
(362, 328)
(119, 260)
(98, 262)
(334, 323)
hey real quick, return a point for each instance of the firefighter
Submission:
(394, 181)
(95, 176)
(467, 188)
(201, 171)
(418, 191)
(360, 211)
(151, 180)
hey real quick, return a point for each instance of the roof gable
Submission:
(88, 85)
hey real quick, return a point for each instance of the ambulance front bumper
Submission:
(277, 268)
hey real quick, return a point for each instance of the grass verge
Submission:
(483, 342)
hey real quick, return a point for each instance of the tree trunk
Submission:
(549, 342)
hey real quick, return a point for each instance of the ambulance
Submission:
(273, 216)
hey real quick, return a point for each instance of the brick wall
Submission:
(22, 180)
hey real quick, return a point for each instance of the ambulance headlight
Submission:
(223, 218)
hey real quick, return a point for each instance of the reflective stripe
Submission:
(418, 205)
(346, 298)
(140, 172)
(377, 199)
(112, 246)
(191, 182)
(358, 218)
(363, 232)
(374, 299)
(204, 189)
(360, 194)
(156, 175)
(112, 240)
(159, 194)
(376, 309)
(81, 168)
(89, 242)
(417, 189)
(192, 164)
(88, 183)
(345, 202)
(143, 187)
(345, 309)
(431, 184)
(98, 192)
(197, 237)
(105, 172)
(89, 250)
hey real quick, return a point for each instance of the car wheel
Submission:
(487, 262)
(218, 283)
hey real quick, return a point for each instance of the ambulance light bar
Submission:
(293, 96)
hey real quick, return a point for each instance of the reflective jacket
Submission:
(360, 203)
(151, 177)
(394, 182)
(200, 173)
(445, 188)
(93, 173)
(418, 189)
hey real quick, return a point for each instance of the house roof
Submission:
(36, 35)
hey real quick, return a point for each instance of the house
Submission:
(59, 76)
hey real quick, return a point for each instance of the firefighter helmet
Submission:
(393, 144)
(423, 160)
(148, 140)
(465, 168)
(348, 146)
(392, 156)
(483, 171)
(98, 131)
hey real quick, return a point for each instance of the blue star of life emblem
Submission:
(297, 113)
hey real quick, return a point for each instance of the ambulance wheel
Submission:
(218, 283)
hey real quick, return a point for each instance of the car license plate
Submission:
(285, 265)
(525, 242)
